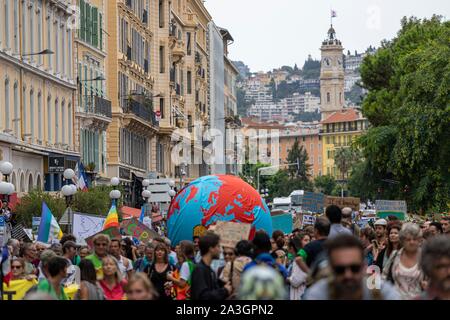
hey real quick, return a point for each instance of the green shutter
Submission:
(88, 24)
(95, 27)
(82, 20)
(100, 30)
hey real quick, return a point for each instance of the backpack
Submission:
(273, 265)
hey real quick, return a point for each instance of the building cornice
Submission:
(37, 71)
(90, 47)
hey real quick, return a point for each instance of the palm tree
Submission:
(345, 159)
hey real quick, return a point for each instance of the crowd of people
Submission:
(331, 260)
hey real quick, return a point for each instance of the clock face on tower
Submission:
(326, 62)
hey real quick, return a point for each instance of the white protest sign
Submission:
(308, 220)
(85, 225)
(231, 233)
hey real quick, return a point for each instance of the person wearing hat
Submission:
(380, 237)
(69, 251)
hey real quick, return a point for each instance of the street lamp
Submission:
(68, 190)
(264, 193)
(115, 194)
(6, 188)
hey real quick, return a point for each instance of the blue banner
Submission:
(282, 222)
(313, 202)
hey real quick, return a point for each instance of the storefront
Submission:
(54, 165)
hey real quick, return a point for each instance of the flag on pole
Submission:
(5, 266)
(333, 14)
(112, 219)
(48, 228)
(80, 177)
(141, 217)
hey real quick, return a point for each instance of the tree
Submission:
(325, 184)
(30, 206)
(345, 158)
(408, 106)
(298, 153)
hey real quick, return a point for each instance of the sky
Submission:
(271, 33)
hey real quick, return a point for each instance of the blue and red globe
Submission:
(216, 198)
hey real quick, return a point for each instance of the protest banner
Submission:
(349, 202)
(2, 230)
(17, 289)
(283, 222)
(386, 208)
(138, 230)
(313, 202)
(231, 233)
(308, 220)
(85, 225)
(113, 233)
(35, 222)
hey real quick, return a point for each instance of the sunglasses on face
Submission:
(228, 254)
(354, 268)
(16, 267)
(102, 244)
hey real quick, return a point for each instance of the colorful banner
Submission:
(283, 222)
(17, 289)
(349, 202)
(138, 230)
(113, 233)
(313, 202)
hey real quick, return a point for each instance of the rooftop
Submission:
(343, 116)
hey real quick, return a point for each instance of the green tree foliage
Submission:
(311, 69)
(408, 106)
(345, 158)
(242, 104)
(355, 95)
(308, 116)
(31, 206)
(94, 201)
(298, 153)
(325, 184)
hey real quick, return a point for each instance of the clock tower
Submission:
(331, 75)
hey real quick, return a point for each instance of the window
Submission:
(31, 26)
(69, 111)
(161, 107)
(188, 41)
(57, 53)
(7, 24)
(340, 97)
(161, 59)
(63, 122)
(189, 82)
(39, 118)
(16, 110)
(49, 40)
(32, 115)
(24, 110)
(7, 104)
(57, 121)
(49, 119)
(161, 13)
(16, 26)
(24, 30)
(39, 35)
(320, 159)
(328, 97)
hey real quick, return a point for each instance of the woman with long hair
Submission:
(140, 288)
(403, 268)
(89, 287)
(112, 284)
(393, 244)
(297, 277)
(181, 277)
(18, 270)
(158, 272)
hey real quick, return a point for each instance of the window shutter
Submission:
(88, 24)
(95, 27)
(100, 30)
(82, 20)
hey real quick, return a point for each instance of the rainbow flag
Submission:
(48, 228)
(112, 219)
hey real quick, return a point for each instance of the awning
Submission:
(129, 212)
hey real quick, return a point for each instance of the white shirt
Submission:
(185, 272)
(125, 268)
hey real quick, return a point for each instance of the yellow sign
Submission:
(17, 289)
(71, 291)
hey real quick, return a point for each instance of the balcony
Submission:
(96, 112)
(178, 51)
(143, 110)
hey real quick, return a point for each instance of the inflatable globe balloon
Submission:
(216, 198)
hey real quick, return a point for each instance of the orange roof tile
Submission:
(343, 116)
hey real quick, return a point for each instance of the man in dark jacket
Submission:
(205, 285)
